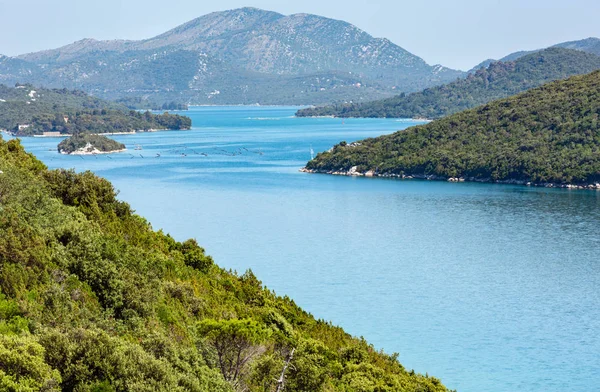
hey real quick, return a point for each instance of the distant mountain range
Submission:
(241, 56)
(498, 80)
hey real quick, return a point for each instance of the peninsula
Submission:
(547, 136)
(26, 110)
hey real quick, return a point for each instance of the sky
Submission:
(458, 33)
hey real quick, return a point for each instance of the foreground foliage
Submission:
(497, 80)
(549, 134)
(92, 299)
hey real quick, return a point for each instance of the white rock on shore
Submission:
(371, 173)
(354, 171)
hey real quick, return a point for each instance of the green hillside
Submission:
(92, 299)
(589, 45)
(498, 80)
(550, 134)
(40, 110)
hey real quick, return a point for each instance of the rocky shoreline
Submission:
(353, 172)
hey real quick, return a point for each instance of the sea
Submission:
(488, 287)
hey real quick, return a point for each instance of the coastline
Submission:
(248, 105)
(423, 120)
(330, 116)
(353, 172)
(49, 136)
(134, 132)
(137, 131)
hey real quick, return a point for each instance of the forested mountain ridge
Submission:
(92, 299)
(497, 80)
(26, 110)
(239, 56)
(550, 134)
(588, 45)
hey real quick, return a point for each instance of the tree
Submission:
(22, 366)
(236, 343)
(195, 257)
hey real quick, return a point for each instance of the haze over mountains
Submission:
(240, 56)
(243, 56)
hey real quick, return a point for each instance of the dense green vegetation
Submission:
(92, 299)
(548, 134)
(69, 112)
(101, 121)
(498, 80)
(92, 142)
(589, 45)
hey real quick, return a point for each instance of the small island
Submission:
(89, 144)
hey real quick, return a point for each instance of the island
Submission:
(546, 136)
(89, 144)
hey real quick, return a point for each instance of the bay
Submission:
(488, 287)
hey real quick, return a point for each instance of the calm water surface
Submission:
(489, 287)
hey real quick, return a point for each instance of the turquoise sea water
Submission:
(489, 287)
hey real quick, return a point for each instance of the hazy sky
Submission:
(457, 33)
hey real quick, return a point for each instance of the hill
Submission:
(588, 45)
(26, 110)
(550, 134)
(92, 299)
(239, 56)
(498, 80)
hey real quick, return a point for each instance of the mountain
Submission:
(13, 69)
(498, 80)
(26, 110)
(240, 56)
(92, 299)
(588, 45)
(550, 134)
